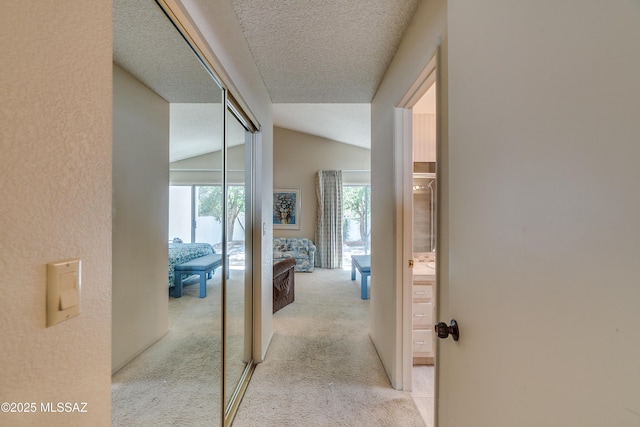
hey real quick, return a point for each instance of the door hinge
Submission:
(410, 263)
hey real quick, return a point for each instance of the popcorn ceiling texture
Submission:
(328, 51)
(307, 52)
(147, 45)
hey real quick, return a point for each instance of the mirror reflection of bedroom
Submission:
(181, 332)
(424, 252)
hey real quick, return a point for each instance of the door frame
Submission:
(403, 143)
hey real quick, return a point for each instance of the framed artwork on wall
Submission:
(286, 209)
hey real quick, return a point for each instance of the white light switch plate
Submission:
(63, 291)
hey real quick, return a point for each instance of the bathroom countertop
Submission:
(424, 270)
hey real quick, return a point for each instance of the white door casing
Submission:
(403, 141)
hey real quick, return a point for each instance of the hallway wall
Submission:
(140, 217)
(55, 183)
(419, 44)
(55, 189)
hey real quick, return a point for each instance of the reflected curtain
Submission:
(329, 219)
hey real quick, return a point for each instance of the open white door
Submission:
(543, 210)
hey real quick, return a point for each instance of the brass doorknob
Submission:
(443, 330)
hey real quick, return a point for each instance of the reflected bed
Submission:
(183, 252)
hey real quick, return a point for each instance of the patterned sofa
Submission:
(301, 249)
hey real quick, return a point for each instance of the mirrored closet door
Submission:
(238, 290)
(182, 342)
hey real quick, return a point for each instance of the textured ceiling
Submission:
(321, 61)
(146, 44)
(323, 51)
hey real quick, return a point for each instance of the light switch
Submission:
(63, 291)
(68, 299)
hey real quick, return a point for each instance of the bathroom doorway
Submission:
(424, 251)
(417, 143)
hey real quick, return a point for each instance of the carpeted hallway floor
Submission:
(321, 368)
(176, 381)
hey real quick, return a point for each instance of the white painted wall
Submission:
(55, 203)
(140, 217)
(299, 156)
(544, 105)
(417, 48)
(214, 23)
(56, 195)
(200, 166)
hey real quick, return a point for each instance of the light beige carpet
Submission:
(176, 382)
(321, 368)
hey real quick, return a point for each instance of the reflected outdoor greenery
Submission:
(210, 203)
